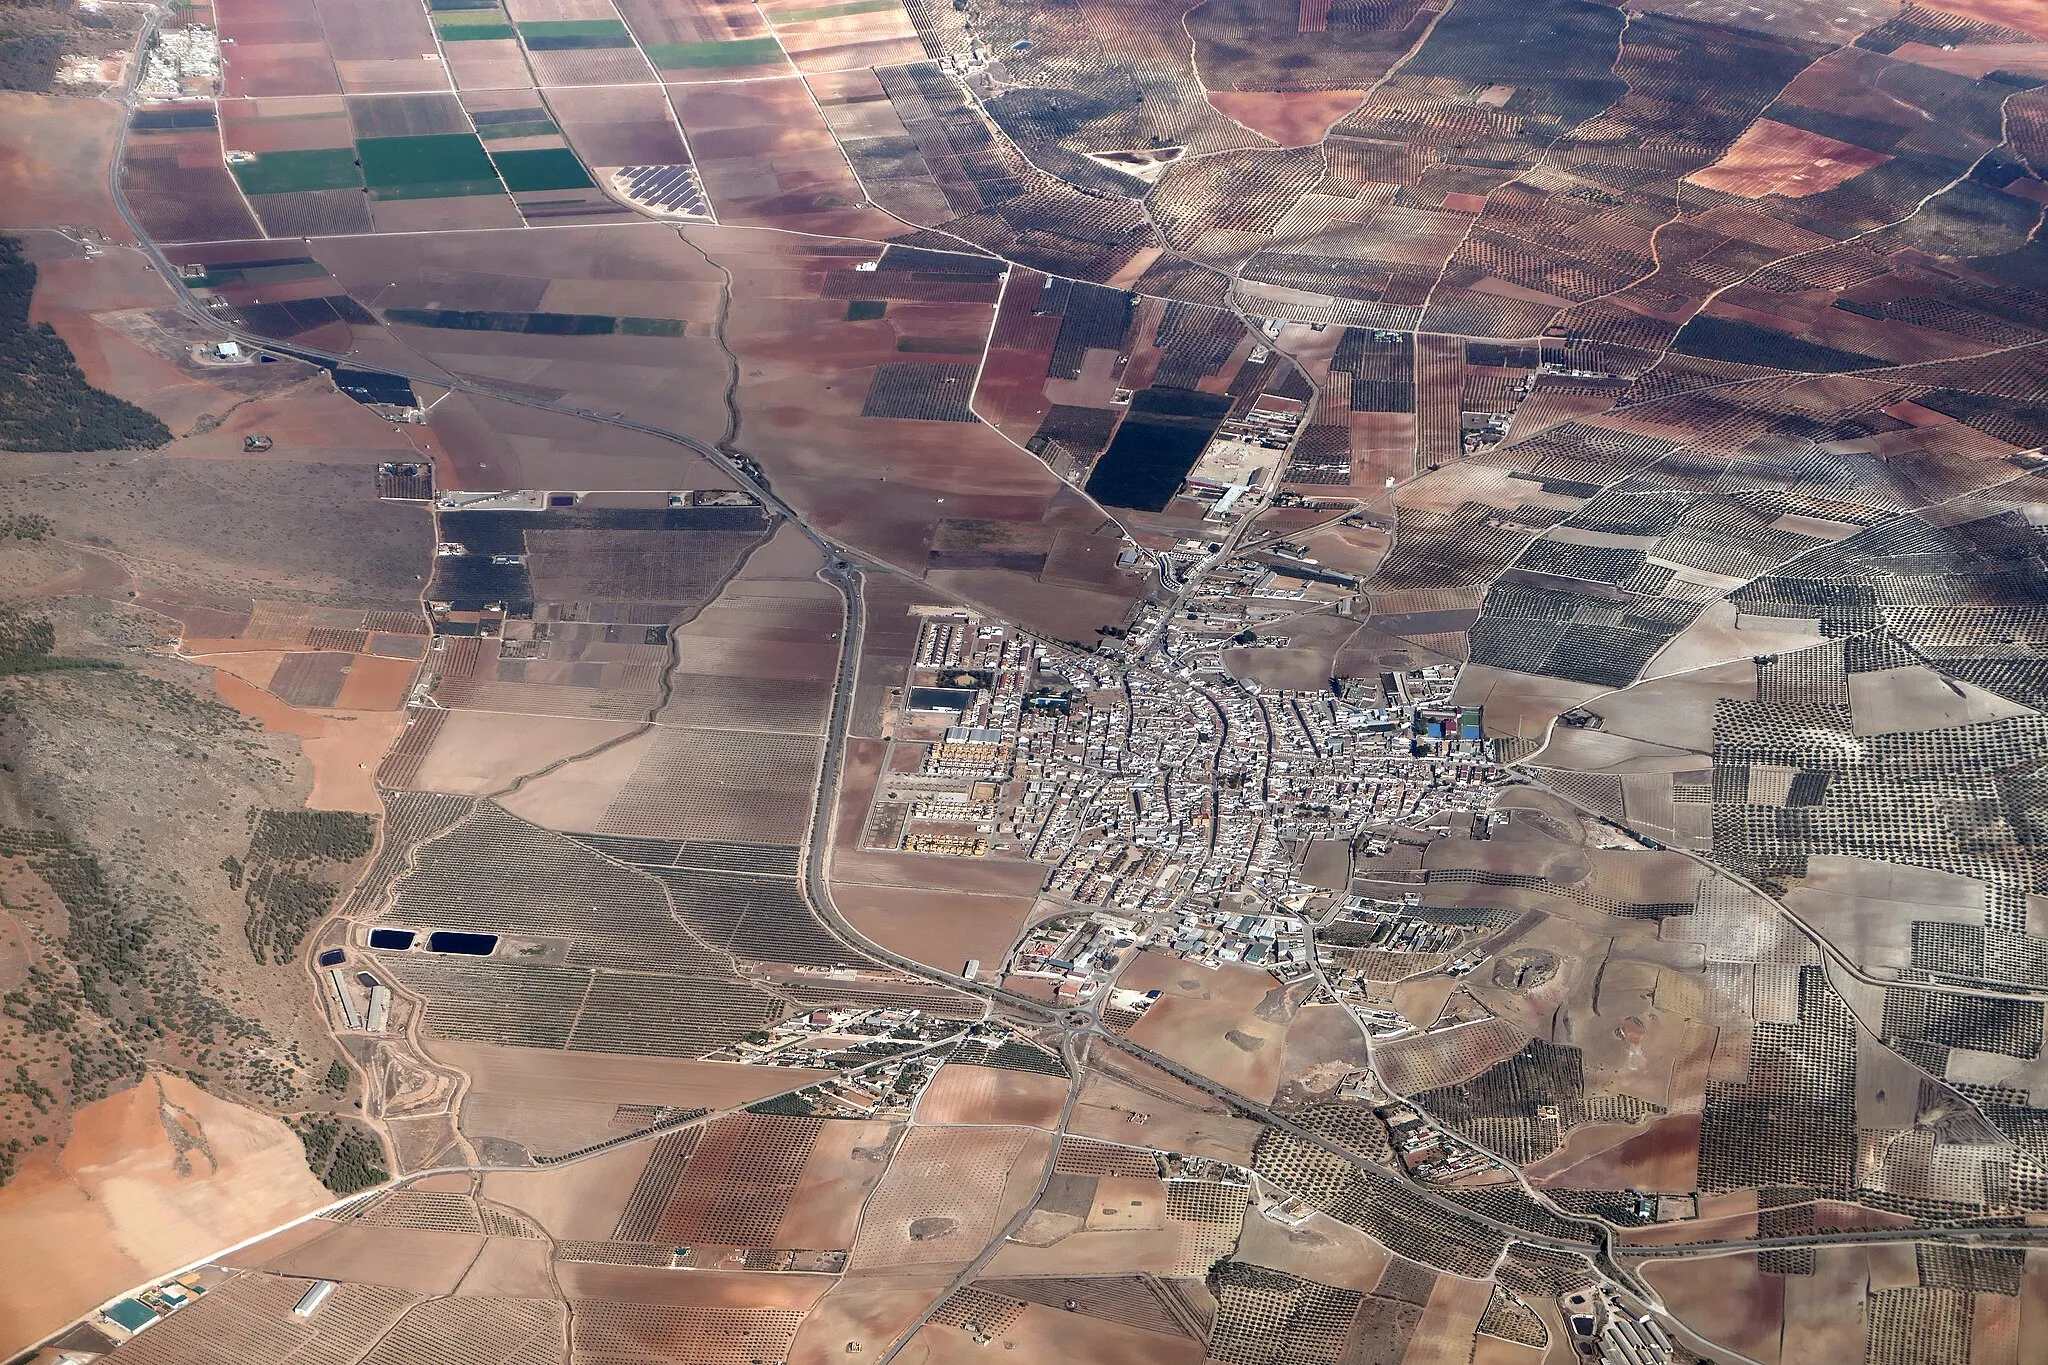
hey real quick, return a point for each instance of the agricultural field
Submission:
(1230, 684)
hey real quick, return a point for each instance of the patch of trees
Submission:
(283, 904)
(303, 835)
(101, 1065)
(281, 879)
(124, 986)
(35, 35)
(346, 1159)
(29, 61)
(43, 1003)
(1228, 1273)
(105, 944)
(46, 402)
(27, 645)
(26, 526)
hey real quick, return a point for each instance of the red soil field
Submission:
(2024, 15)
(68, 295)
(870, 1312)
(1449, 1322)
(362, 31)
(960, 876)
(824, 1209)
(579, 1202)
(120, 1202)
(726, 1289)
(1209, 1021)
(1493, 1351)
(946, 1194)
(311, 424)
(343, 747)
(619, 126)
(939, 928)
(1044, 1333)
(1776, 158)
(254, 22)
(284, 125)
(550, 11)
(375, 684)
(53, 157)
(988, 1094)
(276, 68)
(488, 443)
(445, 215)
(1011, 393)
(488, 64)
(1292, 118)
(1662, 1159)
(418, 1260)
(1726, 1299)
(178, 188)
(655, 22)
(737, 130)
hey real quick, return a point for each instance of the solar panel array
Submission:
(669, 189)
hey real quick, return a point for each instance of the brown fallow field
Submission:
(768, 159)
(946, 1194)
(279, 47)
(658, 25)
(121, 1200)
(1225, 1023)
(1291, 118)
(619, 125)
(988, 1094)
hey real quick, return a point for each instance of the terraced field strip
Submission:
(470, 25)
(492, 124)
(804, 16)
(575, 35)
(712, 55)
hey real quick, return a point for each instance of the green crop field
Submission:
(434, 166)
(497, 123)
(545, 168)
(472, 26)
(257, 272)
(537, 128)
(574, 35)
(700, 56)
(799, 16)
(330, 168)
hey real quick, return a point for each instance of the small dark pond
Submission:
(448, 941)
